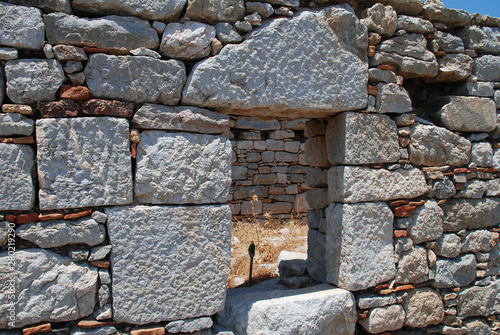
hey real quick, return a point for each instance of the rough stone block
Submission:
(392, 98)
(84, 162)
(185, 252)
(13, 124)
(482, 154)
(479, 300)
(189, 40)
(423, 307)
(380, 19)
(470, 214)
(16, 179)
(351, 184)
(316, 262)
(316, 153)
(460, 271)
(359, 249)
(487, 68)
(426, 223)
(216, 10)
(182, 168)
(383, 319)
(412, 266)
(357, 138)
(21, 27)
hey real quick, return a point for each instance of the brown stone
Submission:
(27, 218)
(400, 233)
(314, 127)
(404, 142)
(108, 107)
(91, 324)
(397, 289)
(265, 179)
(21, 109)
(101, 264)
(75, 93)
(404, 211)
(18, 140)
(364, 314)
(148, 331)
(386, 67)
(78, 215)
(50, 216)
(430, 36)
(44, 328)
(371, 51)
(69, 52)
(94, 50)
(460, 170)
(398, 203)
(316, 152)
(10, 218)
(61, 108)
(133, 150)
(372, 90)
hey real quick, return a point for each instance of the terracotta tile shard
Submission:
(101, 264)
(404, 211)
(460, 170)
(75, 93)
(149, 331)
(404, 161)
(400, 233)
(133, 150)
(10, 218)
(372, 90)
(387, 67)
(398, 203)
(441, 202)
(50, 216)
(18, 140)
(91, 324)
(78, 215)
(27, 218)
(45, 328)
(448, 174)
(94, 50)
(397, 289)
(363, 314)
(416, 203)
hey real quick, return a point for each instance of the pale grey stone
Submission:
(443, 189)
(426, 223)
(99, 252)
(454, 67)
(352, 138)
(16, 179)
(402, 244)
(477, 241)
(496, 158)
(44, 276)
(283, 11)
(99, 216)
(382, 75)
(8, 53)
(245, 86)
(478, 89)
(180, 118)
(412, 266)
(4, 232)
(243, 26)
(77, 79)
(316, 263)
(290, 3)
(473, 189)
(493, 188)
(487, 68)
(216, 10)
(471, 213)
(147, 80)
(166, 10)
(78, 253)
(188, 257)
(423, 307)
(291, 263)
(482, 154)
(73, 66)
(449, 43)
(99, 175)
(435, 146)
(383, 319)
(159, 27)
(189, 325)
(414, 25)
(47, 6)
(104, 276)
(12, 124)
(106, 330)
(436, 12)
(380, 19)
(496, 97)
(190, 40)
(479, 300)
(477, 327)
(264, 9)
(359, 249)
(226, 33)
(48, 51)
(352, 184)
(32, 80)
(481, 39)
(409, 53)
(367, 300)
(182, 168)
(460, 271)
(103, 295)
(101, 314)
(21, 27)
(392, 98)
(254, 19)
(118, 34)
(145, 52)
(407, 7)
(290, 311)
(52, 234)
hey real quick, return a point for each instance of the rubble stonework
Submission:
(133, 132)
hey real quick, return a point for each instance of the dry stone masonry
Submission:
(132, 134)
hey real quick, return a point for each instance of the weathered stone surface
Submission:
(15, 124)
(481, 39)
(409, 54)
(470, 213)
(443, 189)
(99, 252)
(16, 182)
(423, 307)
(496, 158)
(100, 175)
(188, 257)
(255, 123)
(66, 289)
(407, 7)
(118, 34)
(263, 9)
(383, 319)
(316, 263)
(4, 232)
(435, 11)
(381, 75)
(414, 25)
(460, 271)
(479, 300)
(392, 98)
(487, 68)
(180, 168)
(21, 27)
(477, 326)
(47, 6)
(482, 154)
(380, 19)
(190, 40)
(316, 152)
(216, 10)
(190, 119)
(473, 189)
(477, 241)
(167, 10)
(352, 184)
(478, 89)
(59, 108)
(290, 311)
(359, 250)
(412, 266)
(454, 67)
(226, 33)
(189, 325)
(356, 138)
(426, 223)
(449, 43)
(32, 80)
(435, 146)
(145, 80)
(69, 52)
(247, 86)
(367, 300)
(108, 107)
(493, 188)
(51, 234)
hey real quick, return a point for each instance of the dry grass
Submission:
(270, 238)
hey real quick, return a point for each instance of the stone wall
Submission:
(118, 150)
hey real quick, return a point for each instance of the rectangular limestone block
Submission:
(168, 262)
(358, 138)
(359, 247)
(182, 168)
(84, 162)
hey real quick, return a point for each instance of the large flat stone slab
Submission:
(182, 168)
(479, 300)
(358, 138)
(185, 256)
(49, 288)
(483, 40)
(83, 162)
(351, 184)
(16, 179)
(470, 213)
(317, 45)
(288, 312)
(359, 248)
(137, 79)
(118, 34)
(21, 27)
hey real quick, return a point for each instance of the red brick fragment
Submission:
(448, 174)
(50, 216)
(61, 108)
(404, 211)
(18, 140)
(75, 93)
(133, 150)
(485, 170)
(363, 314)
(10, 218)
(101, 264)
(148, 331)
(371, 51)
(460, 170)
(44, 328)
(94, 50)
(430, 36)
(91, 324)
(108, 107)
(372, 90)
(78, 215)
(416, 203)
(456, 289)
(441, 202)
(27, 218)
(398, 203)
(386, 67)
(400, 233)
(381, 287)
(397, 289)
